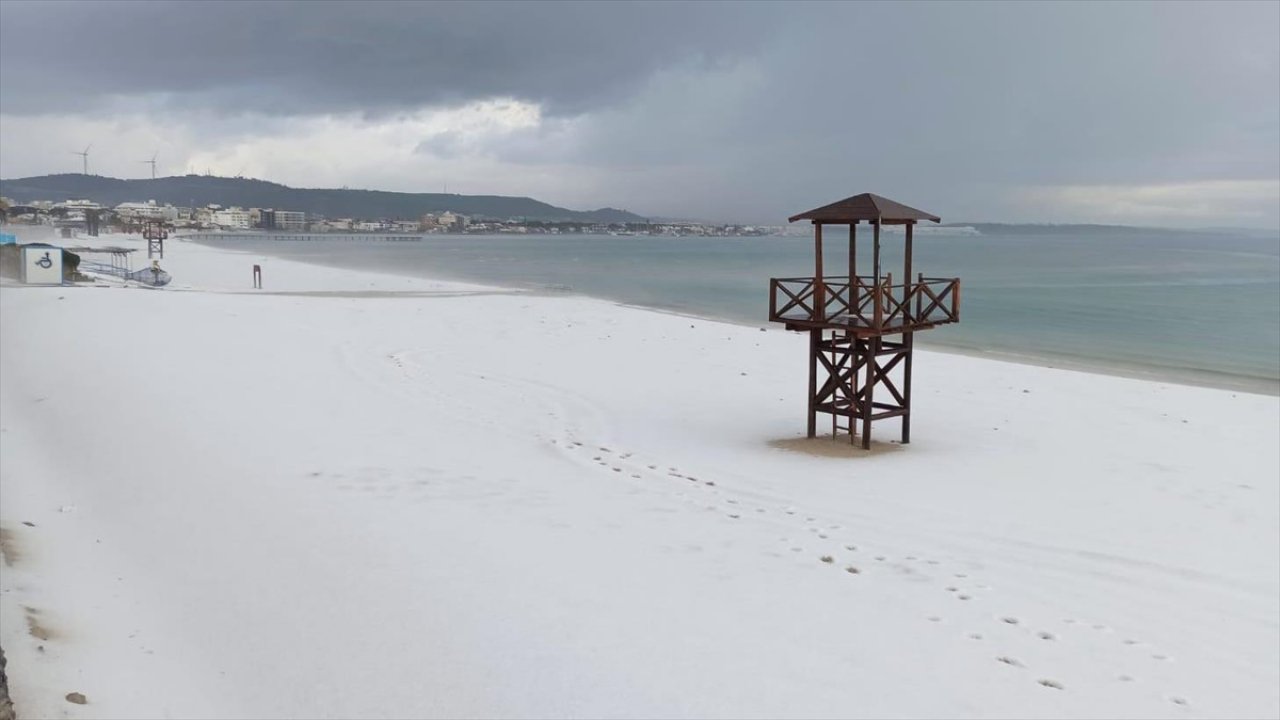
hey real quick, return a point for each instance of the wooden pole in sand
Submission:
(815, 336)
(854, 312)
(873, 346)
(908, 341)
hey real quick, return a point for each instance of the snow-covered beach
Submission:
(360, 495)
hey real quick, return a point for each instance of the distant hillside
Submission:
(199, 190)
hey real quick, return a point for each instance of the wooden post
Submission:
(888, 293)
(919, 295)
(875, 275)
(257, 277)
(819, 287)
(815, 336)
(853, 269)
(906, 274)
(874, 351)
(908, 340)
(875, 260)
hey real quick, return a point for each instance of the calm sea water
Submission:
(1201, 306)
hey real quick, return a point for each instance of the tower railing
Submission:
(865, 304)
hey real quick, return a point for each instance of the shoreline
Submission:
(1191, 377)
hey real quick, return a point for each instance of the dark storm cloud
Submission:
(299, 58)
(954, 101)
(739, 111)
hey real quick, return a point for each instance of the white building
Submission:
(148, 210)
(233, 217)
(452, 221)
(291, 220)
(80, 205)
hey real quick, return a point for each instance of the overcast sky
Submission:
(1163, 114)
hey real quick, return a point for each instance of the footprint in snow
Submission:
(1011, 662)
(1009, 620)
(1051, 684)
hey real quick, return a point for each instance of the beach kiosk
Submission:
(861, 327)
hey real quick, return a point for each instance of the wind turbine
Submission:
(85, 156)
(152, 163)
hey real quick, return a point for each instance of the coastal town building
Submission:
(149, 210)
(232, 218)
(290, 220)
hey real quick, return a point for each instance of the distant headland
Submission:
(203, 190)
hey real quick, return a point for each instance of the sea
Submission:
(1201, 307)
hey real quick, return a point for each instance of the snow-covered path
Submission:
(410, 498)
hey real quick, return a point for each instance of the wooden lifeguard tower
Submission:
(861, 327)
(155, 232)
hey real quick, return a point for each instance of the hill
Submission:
(199, 190)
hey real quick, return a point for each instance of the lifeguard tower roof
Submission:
(865, 207)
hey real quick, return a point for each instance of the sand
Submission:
(344, 497)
